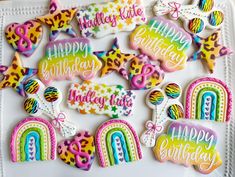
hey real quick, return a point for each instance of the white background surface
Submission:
(12, 112)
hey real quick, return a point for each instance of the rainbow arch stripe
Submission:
(208, 99)
(33, 139)
(117, 142)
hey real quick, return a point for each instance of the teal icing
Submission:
(212, 104)
(123, 144)
(36, 137)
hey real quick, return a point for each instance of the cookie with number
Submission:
(24, 38)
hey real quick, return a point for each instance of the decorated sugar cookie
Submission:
(144, 75)
(99, 20)
(78, 152)
(197, 16)
(209, 49)
(189, 145)
(46, 100)
(16, 75)
(33, 139)
(175, 111)
(117, 143)
(164, 41)
(158, 99)
(68, 58)
(24, 38)
(91, 98)
(114, 60)
(208, 99)
(58, 20)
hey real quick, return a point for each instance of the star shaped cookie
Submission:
(114, 60)
(58, 20)
(209, 49)
(16, 75)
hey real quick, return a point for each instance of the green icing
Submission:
(199, 102)
(23, 142)
(109, 145)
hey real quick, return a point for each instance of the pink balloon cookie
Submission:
(117, 143)
(68, 58)
(164, 41)
(208, 99)
(24, 38)
(78, 152)
(144, 75)
(190, 145)
(99, 20)
(91, 98)
(46, 100)
(33, 139)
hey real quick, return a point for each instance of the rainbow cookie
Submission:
(208, 99)
(68, 58)
(24, 38)
(164, 41)
(16, 75)
(33, 139)
(144, 75)
(190, 145)
(58, 20)
(46, 100)
(197, 16)
(78, 152)
(91, 98)
(99, 20)
(117, 143)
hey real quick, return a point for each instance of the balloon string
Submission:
(163, 109)
(47, 109)
(154, 118)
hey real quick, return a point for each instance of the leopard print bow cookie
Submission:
(78, 152)
(24, 38)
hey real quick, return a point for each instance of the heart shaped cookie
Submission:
(78, 152)
(24, 38)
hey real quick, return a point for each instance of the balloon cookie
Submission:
(164, 41)
(78, 152)
(68, 58)
(16, 75)
(24, 38)
(144, 75)
(58, 20)
(91, 98)
(189, 145)
(158, 99)
(33, 139)
(99, 20)
(46, 100)
(209, 49)
(117, 143)
(208, 99)
(197, 16)
(114, 60)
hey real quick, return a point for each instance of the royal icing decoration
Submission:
(175, 111)
(58, 20)
(33, 139)
(78, 152)
(99, 20)
(91, 98)
(189, 145)
(197, 16)
(117, 143)
(154, 99)
(68, 58)
(16, 75)
(208, 99)
(144, 75)
(209, 49)
(46, 100)
(24, 38)
(162, 40)
(114, 60)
